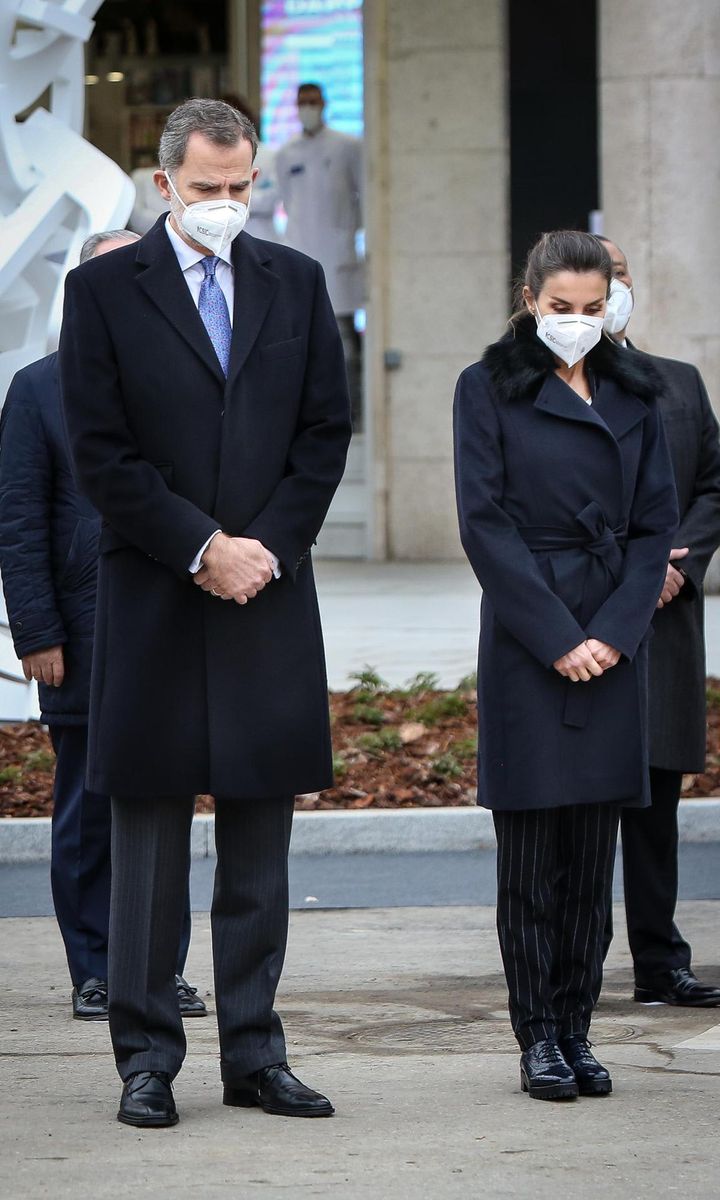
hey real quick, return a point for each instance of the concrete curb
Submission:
(383, 831)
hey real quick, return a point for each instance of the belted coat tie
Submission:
(567, 512)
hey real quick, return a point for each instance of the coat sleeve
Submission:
(292, 517)
(624, 618)
(127, 490)
(700, 525)
(523, 602)
(25, 503)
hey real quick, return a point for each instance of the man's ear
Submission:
(162, 185)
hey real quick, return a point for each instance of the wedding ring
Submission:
(213, 592)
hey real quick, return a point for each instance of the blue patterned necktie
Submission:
(213, 309)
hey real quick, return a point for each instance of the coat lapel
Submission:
(620, 410)
(255, 287)
(162, 280)
(558, 399)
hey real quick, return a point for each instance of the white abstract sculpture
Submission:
(55, 190)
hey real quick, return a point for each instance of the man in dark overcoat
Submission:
(677, 731)
(48, 555)
(206, 401)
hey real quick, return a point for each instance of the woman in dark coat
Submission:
(567, 510)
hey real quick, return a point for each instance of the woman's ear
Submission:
(529, 300)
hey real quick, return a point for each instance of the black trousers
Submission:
(554, 869)
(650, 873)
(80, 861)
(249, 920)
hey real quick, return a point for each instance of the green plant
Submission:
(368, 714)
(465, 748)
(468, 683)
(376, 744)
(40, 760)
(368, 680)
(10, 774)
(450, 704)
(424, 681)
(340, 767)
(446, 765)
(713, 697)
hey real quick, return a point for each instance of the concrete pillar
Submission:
(437, 233)
(660, 169)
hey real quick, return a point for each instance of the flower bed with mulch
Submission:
(411, 747)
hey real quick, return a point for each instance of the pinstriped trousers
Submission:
(249, 922)
(554, 870)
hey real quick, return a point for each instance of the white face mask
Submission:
(569, 336)
(310, 116)
(619, 307)
(212, 223)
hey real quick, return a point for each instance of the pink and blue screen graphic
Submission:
(311, 41)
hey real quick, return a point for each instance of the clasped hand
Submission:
(589, 658)
(234, 568)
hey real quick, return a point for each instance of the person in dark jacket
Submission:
(661, 955)
(567, 511)
(205, 394)
(48, 556)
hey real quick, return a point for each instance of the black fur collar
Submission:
(520, 362)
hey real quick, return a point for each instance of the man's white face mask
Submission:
(212, 223)
(569, 336)
(619, 307)
(310, 116)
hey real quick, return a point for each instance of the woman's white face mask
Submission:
(212, 223)
(570, 336)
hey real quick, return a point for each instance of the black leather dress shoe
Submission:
(276, 1090)
(678, 987)
(545, 1075)
(190, 1003)
(593, 1079)
(147, 1100)
(90, 1001)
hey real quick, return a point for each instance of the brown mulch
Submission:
(393, 749)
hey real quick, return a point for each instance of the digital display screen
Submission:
(311, 41)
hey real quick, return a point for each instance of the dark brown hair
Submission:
(561, 250)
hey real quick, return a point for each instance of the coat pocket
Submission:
(81, 563)
(282, 349)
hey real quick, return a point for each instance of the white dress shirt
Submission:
(193, 273)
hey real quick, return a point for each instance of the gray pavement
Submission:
(399, 1014)
(405, 617)
(386, 880)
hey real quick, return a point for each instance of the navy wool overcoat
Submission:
(191, 693)
(567, 512)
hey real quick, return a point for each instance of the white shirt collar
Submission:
(186, 256)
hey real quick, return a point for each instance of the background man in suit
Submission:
(661, 956)
(206, 400)
(48, 556)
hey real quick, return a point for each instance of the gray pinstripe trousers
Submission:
(249, 921)
(554, 869)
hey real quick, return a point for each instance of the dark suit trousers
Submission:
(80, 861)
(650, 873)
(249, 920)
(554, 871)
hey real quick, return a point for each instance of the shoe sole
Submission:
(650, 999)
(99, 1017)
(601, 1088)
(274, 1111)
(149, 1122)
(550, 1091)
(194, 1013)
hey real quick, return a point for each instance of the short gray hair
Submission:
(91, 244)
(219, 122)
